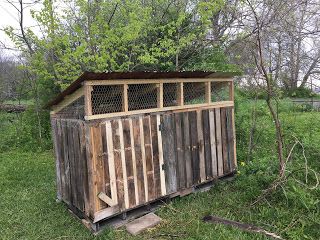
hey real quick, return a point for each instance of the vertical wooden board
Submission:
(201, 147)
(143, 156)
(214, 162)
(105, 159)
(57, 156)
(148, 157)
(155, 154)
(219, 142)
(118, 163)
(70, 150)
(134, 163)
(138, 158)
(225, 152)
(234, 140)
(98, 166)
(207, 145)
(111, 161)
(84, 168)
(60, 144)
(64, 131)
(187, 149)
(124, 167)
(194, 147)
(129, 162)
(78, 180)
(181, 168)
(91, 175)
(161, 160)
(169, 153)
(230, 139)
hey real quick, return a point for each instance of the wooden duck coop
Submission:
(125, 140)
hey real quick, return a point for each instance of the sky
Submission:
(9, 17)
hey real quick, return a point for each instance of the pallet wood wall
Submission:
(113, 165)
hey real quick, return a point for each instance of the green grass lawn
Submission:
(28, 208)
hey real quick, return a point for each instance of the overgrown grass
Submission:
(28, 209)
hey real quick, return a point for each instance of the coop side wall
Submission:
(138, 159)
(71, 163)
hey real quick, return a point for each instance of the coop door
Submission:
(198, 146)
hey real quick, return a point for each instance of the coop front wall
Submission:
(138, 159)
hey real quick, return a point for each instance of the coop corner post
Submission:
(88, 102)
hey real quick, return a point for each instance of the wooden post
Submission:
(88, 101)
(208, 92)
(160, 95)
(125, 106)
(231, 91)
(180, 94)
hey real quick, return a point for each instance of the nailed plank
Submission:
(72, 166)
(138, 157)
(143, 156)
(134, 163)
(181, 168)
(213, 145)
(169, 153)
(107, 212)
(207, 145)
(84, 168)
(234, 139)
(57, 157)
(161, 160)
(61, 158)
(124, 168)
(187, 149)
(128, 162)
(112, 170)
(149, 157)
(105, 159)
(230, 139)
(64, 132)
(194, 147)
(225, 152)
(219, 142)
(118, 162)
(106, 199)
(155, 154)
(201, 147)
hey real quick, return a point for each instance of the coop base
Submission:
(124, 217)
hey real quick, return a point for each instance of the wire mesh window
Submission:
(170, 94)
(220, 92)
(142, 96)
(75, 110)
(194, 93)
(107, 99)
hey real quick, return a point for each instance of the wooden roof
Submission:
(135, 75)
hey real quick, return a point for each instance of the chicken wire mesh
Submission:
(170, 94)
(220, 92)
(142, 96)
(107, 99)
(194, 93)
(75, 110)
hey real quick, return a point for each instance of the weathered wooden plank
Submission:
(61, 158)
(55, 139)
(71, 154)
(64, 131)
(149, 157)
(124, 167)
(161, 160)
(187, 149)
(106, 199)
(225, 152)
(213, 145)
(128, 162)
(143, 156)
(181, 167)
(169, 153)
(134, 163)
(138, 157)
(207, 145)
(194, 147)
(155, 154)
(111, 160)
(107, 212)
(105, 159)
(84, 168)
(219, 141)
(201, 147)
(118, 162)
(230, 139)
